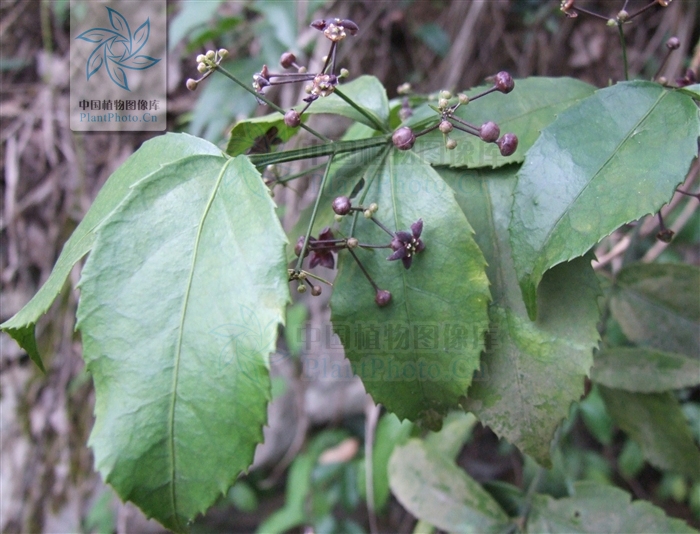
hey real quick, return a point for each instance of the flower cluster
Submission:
(206, 64)
(489, 132)
(404, 244)
(318, 85)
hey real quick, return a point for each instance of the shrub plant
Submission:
(461, 226)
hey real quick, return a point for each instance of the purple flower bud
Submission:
(319, 25)
(316, 291)
(673, 43)
(292, 118)
(342, 205)
(382, 298)
(287, 60)
(349, 26)
(403, 138)
(504, 82)
(507, 144)
(300, 245)
(489, 132)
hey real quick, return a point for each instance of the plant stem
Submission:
(326, 173)
(375, 221)
(327, 149)
(623, 43)
(269, 102)
(364, 271)
(298, 174)
(377, 125)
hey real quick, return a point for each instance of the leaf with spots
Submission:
(531, 371)
(595, 508)
(608, 160)
(178, 313)
(417, 355)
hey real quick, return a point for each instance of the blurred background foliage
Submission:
(312, 470)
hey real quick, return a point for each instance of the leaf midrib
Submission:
(549, 235)
(178, 348)
(392, 180)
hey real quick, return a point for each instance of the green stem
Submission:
(368, 183)
(326, 173)
(269, 102)
(377, 125)
(623, 43)
(316, 151)
(297, 175)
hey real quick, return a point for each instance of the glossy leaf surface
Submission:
(644, 370)
(178, 313)
(598, 508)
(608, 160)
(658, 306)
(530, 107)
(531, 371)
(416, 355)
(150, 157)
(655, 421)
(434, 489)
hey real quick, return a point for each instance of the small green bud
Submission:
(301, 70)
(338, 218)
(201, 57)
(191, 84)
(443, 103)
(344, 73)
(367, 214)
(202, 68)
(210, 54)
(223, 52)
(612, 23)
(374, 207)
(301, 288)
(445, 94)
(463, 99)
(450, 144)
(353, 242)
(622, 16)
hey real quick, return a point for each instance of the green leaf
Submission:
(434, 489)
(366, 91)
(455, 431)
(178, 313)
(390, 432)
(533, 104)
(658, 305)
(644, 371)
(692, 90)
(596, 508)
(610, 159)
(416, 356)
(531, 372)
(655, 421)
(150, 157)
(596, 418)
(265, 132)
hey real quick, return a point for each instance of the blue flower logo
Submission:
(118, 49)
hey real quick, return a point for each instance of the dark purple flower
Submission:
(323, 254)
(407, 244)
